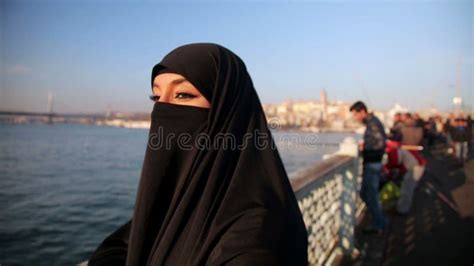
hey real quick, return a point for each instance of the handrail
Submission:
(327, 197)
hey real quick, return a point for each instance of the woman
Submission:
(221, 195)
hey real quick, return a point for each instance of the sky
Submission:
(97, 55)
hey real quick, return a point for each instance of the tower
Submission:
(50, 107)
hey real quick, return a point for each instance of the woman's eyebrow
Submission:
(178, 81)
(173, 83)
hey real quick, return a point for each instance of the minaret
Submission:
(50, 107)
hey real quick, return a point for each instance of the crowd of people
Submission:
(455, 131)
(404, 165)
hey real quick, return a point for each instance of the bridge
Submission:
(50, 116)
(438, 230)
(45, 117)
(45, 114)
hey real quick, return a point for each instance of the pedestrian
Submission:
(459, 135)
(396, 129)
(410, 165)
(448, 128)
(469, 123)
(372, 149)
(411, 133)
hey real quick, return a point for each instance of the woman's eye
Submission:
(184, 95)
(154, 98)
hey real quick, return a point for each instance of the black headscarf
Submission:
(215, 202)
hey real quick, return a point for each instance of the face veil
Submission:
(219, 204)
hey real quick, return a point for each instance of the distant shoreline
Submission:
(140, 124)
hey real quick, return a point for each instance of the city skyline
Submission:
(95, 55)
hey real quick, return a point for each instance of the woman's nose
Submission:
(166, 97)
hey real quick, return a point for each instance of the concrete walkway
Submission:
(438, 230)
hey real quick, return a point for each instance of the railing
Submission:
(327, 195)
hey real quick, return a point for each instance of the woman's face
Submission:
(175, 89)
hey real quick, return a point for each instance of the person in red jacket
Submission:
(409, 162)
